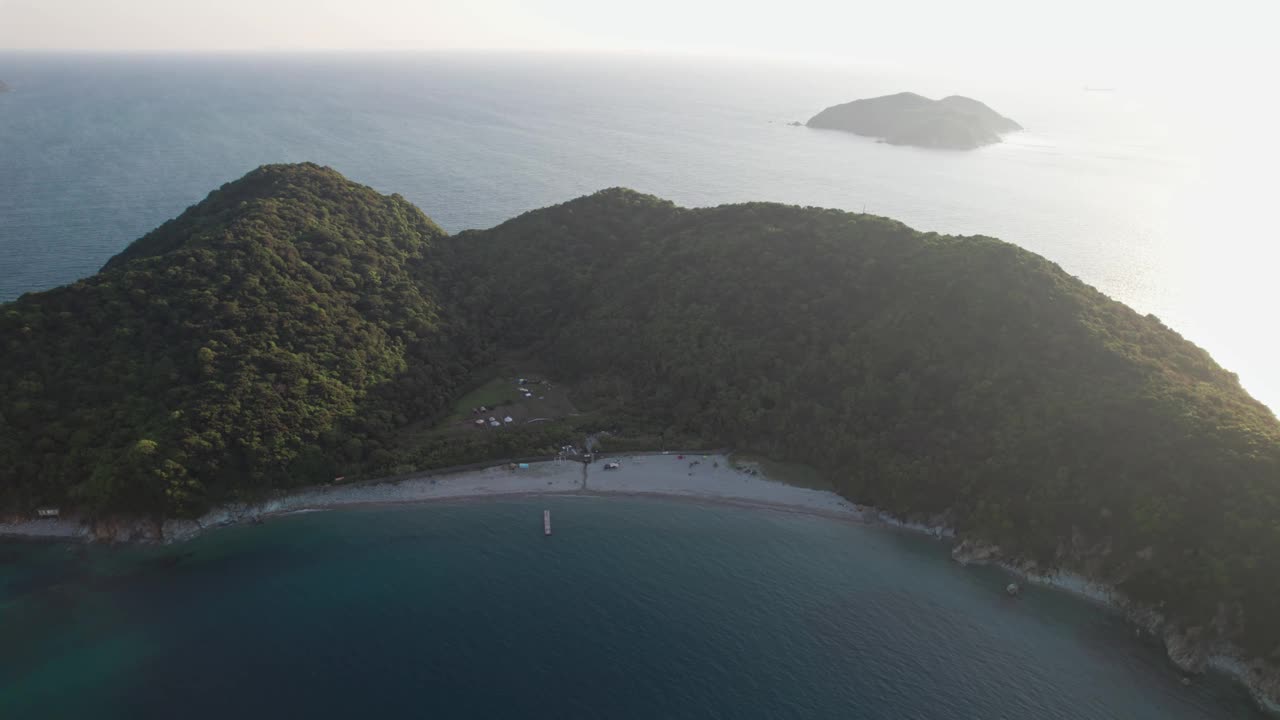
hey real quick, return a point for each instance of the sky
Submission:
(1107, 41)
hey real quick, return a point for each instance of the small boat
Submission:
(546, 522)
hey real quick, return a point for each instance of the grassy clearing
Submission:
(498, 391)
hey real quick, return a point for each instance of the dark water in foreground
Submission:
(634, 609)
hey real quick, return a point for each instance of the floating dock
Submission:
(546, 522)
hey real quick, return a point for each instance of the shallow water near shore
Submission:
(634, 608)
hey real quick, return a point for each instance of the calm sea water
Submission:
(633, 609)
(1162, 203)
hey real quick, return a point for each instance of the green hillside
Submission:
(923, 374)
(219, 354)
(290, 325)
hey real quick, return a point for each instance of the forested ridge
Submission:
(222, 354)
(284, 328)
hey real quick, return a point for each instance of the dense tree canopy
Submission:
(292, 322)
(221, 352)
(922, 373)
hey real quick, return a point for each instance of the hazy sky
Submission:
(1083, 38)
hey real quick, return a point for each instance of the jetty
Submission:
(546, 522)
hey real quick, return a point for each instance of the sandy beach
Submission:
(712, 478)
(708, 478)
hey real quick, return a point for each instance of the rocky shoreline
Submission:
(1193, 650)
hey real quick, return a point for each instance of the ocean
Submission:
(1158, 199)
(634, 608)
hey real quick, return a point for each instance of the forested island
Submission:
(295, 326)
(3, 88)
(952, 123)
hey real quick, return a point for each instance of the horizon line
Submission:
(672, 53)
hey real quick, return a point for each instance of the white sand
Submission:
(668, 475)
(710, 479)
(659, 475)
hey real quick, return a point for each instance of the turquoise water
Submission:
(1161, 202)
(633, 609)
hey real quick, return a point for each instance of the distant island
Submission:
(952, 123)
(3, 88)
(295, 328)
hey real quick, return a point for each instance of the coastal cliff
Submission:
(952, 123)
